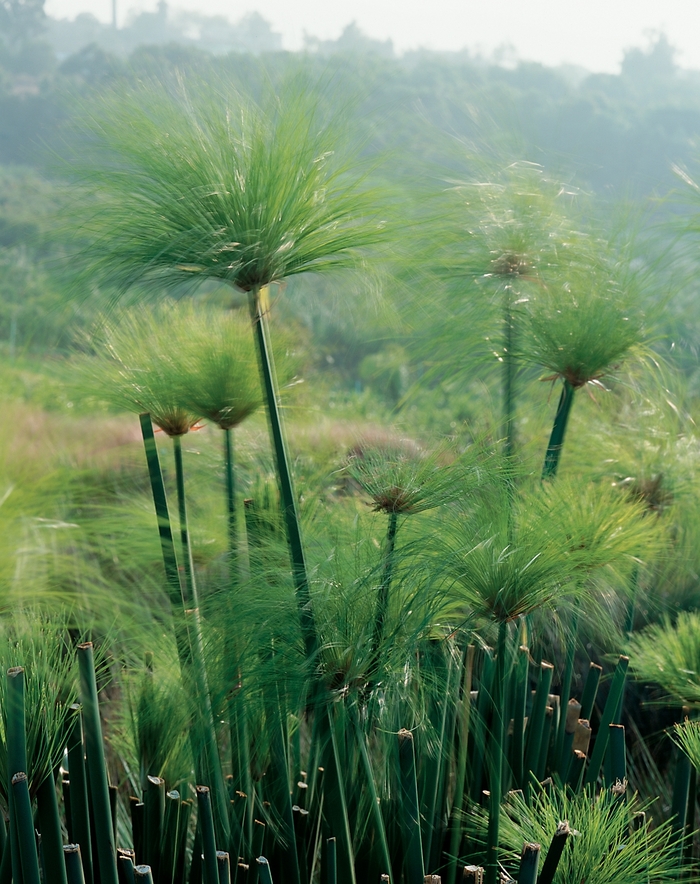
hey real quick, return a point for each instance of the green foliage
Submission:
(178, 362)
(403, 479)
(605, 847)
(668, 654)
(194, 182)
(582, 327)
(41, 645)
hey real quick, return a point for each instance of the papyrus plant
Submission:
(496, 237)
(193, 184)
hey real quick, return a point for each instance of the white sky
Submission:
(590, 33)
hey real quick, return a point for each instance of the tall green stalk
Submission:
(556, 439)
(610, 711)
(508, 378)
(185, 610)
(383, 594)
(78, 791)
(496, 744)
(97, 768)
(290, 513)
(50, 828)
(231, 506)
(464, 718)
(566, 690)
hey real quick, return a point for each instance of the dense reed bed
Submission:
(361, 654)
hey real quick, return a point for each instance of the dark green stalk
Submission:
(169, 840)
(160, 501)
(409, 811)
(496, 744)
(378, 819)
(681, 791)
(154, 801)
(143, 875)
(182, 834)
(335, 808)
(278, 786)
(301, 834)
(331, 862)
(590, 690)
(284, 474)
(16, 756)
(520, 694)
(208, 837)
(618, 753)
(138, 828)
(97, 768)
(257, 849)
(690, 816)
(575, 771)
(556, 848)
(483, 708)
(185, 609)
(544, 742)
(565, 691)
(73, 864)
(383, 594)
(264, 870)
(186, 547)
(223, 867)
(536, 723)
(25, 829)
(51, 837)
(126, 860)
(609, 712)
(529, 863)
(433, 776)
(231, 506)
(79, 808)
(556, 439)
(508, 378)
(464, 716)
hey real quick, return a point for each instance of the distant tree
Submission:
(653, 65)
(21, 22)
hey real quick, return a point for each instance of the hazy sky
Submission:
(591, 33)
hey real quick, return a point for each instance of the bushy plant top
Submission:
(193, 181)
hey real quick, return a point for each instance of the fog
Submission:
(592, 34)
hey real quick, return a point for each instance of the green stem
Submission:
(73, 864)
(536, 724)
(97, 768)
(556, 439)
(383, 596)
(409, 811)
(231, 507)
(16, 756)
(464, 714)
(208, 838)
(185, 610)
(25, 829)
(284, 475)
(520, 695)
(529, 863)
(508, 379)
(556, 848)
(380, 830)
(79, 808)
(566, 690)
(190, 586)
(51, 837)
(496, 743)
(609, 712)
